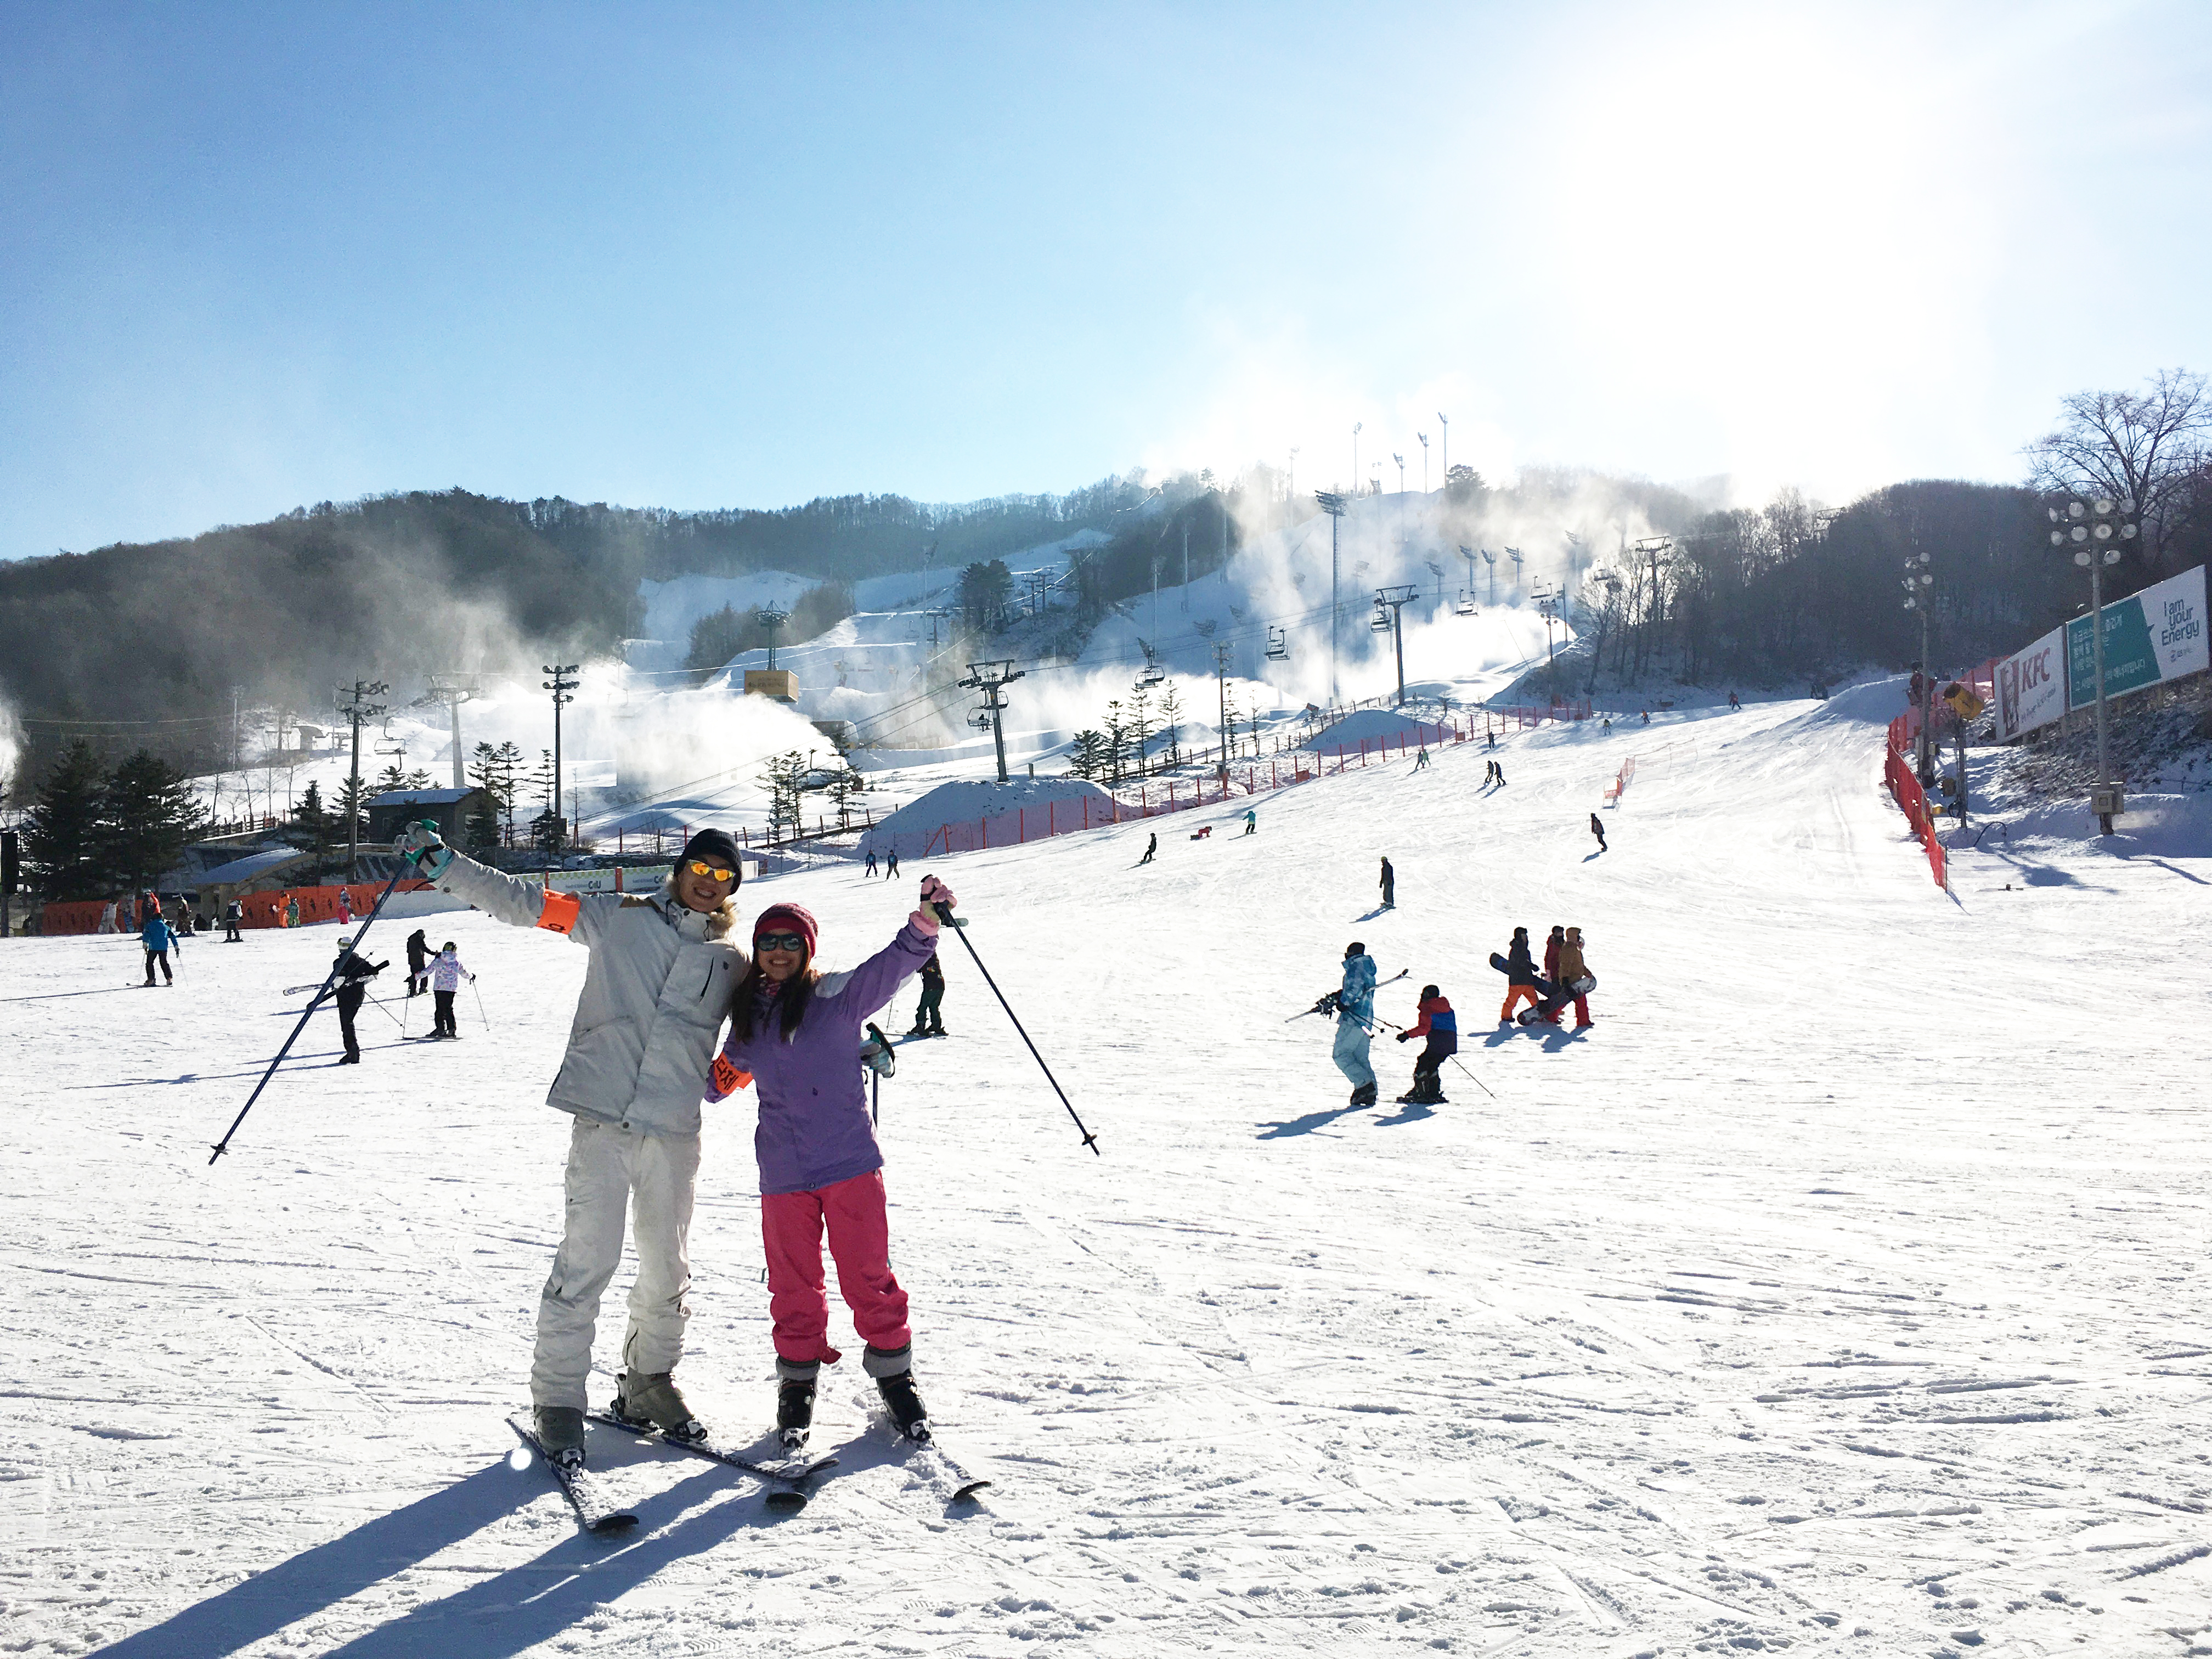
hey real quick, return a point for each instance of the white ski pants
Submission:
(1351, 1052)
(612, 1171)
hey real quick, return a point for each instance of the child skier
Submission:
(446, 976)
(156, 938)
(1441, 1027)
(929, 1012)
(796, 1033)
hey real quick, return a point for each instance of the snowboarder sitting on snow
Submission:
(1520, 976)
(446, 976)
(656, 990)
(1204, 833)
(156, 938)
(795, 1032)
(1441, 1026)
(1355, 1021)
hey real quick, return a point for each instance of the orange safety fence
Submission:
(267, 909)
(1912, 800)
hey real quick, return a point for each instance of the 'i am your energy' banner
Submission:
(2151, 637)
(2154, 636)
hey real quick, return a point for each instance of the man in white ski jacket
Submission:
(663, 968)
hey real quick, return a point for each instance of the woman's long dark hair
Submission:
(798, 992)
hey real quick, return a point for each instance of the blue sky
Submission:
(253, 258)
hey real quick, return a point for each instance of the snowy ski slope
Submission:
(1838, 1292)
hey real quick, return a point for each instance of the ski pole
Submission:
(480, 1012)
(344, 957)
(944, 915)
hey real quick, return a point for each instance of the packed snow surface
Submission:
(1839, 1292)
(967, 799)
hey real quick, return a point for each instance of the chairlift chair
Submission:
(1466, 606)
(1279, 645)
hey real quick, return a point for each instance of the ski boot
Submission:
(559, 1434)
(894, 1373)
(651, 1399)
(1365, 1095)
(794, 1411)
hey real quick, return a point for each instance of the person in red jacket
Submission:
(1441, 1027)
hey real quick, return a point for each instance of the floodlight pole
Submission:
(1442, 420)
(1333, 504)
(773, 620)
(2096, 526)
(1424, 437)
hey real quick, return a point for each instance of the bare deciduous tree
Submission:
(2147, 447)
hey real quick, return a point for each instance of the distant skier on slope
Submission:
(795, 1033)
(1597, 829)
(929, 1012)
(1421, 760)
(1389, 884)
(872, 862)
(1355, 1022)
(156, 938)
(890, 865)
(1151, 847)
(1251, 821)
(353, 974)
(446, 976)
(233, 918)
(656, 990)
(1441, 1027)
(418, 960)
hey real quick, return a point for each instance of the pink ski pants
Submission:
(860, 1242)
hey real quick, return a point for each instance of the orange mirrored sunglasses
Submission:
(713, 872)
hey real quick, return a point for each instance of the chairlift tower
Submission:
(355, 706)
(562, 689)
(991, 678)
(1396, 600)
(1491, 559)
(454, 690)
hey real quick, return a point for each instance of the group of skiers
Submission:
(669, 971)
(1565, 978)
(890, 863)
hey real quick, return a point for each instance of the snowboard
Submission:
(1558, 998)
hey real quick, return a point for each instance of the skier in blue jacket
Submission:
(156, 938)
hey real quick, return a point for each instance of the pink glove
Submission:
(934, 893)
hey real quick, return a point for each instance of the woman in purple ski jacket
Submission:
(795, 1033)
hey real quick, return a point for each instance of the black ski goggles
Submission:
(779, 941)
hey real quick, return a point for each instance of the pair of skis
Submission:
(597, 1510)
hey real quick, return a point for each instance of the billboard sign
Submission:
(2031, 686)
(2151, 637)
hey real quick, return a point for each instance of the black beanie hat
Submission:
(718, 847)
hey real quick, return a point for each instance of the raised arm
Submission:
(505, 898)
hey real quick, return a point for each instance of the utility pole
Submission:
(1917, 598)
(1424, 437)
(1396, 600)
(454, 690)
(1444, 421)
(1356, 425)
(1333, 504)
(236, 691)
(1549, 604)
(1221, 654)
(990, 679)
(561, 686)
(356, 707)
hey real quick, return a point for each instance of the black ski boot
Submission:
(794, 1412)
(1364, 1095)
(894, 1373)
(559, 1434)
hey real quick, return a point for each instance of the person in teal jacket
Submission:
(156, 938)
(1355, 1023)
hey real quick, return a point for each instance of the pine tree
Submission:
(1140, 722)
(1117, 742)
(151, 813)
(314, 822)
(1087, 755)
(480, 830)
(389, 782)
(1171, 723)
(63, 830)
(418, 779)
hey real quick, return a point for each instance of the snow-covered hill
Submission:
(1831, 1295)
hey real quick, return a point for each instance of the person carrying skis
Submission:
(657, 988)
(1389, 884)
(1520, 976)
(1355, 1023)
(353, 974)
(418, 959)
(1151, 847)
(1573, 971)
(795, 1033)
(928, 1015)
(157, 939)
(1441, 1027)
(446, 976)
(1597, 829)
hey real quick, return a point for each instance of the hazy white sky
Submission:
(253, 258)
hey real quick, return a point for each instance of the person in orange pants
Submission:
(1520, 977)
